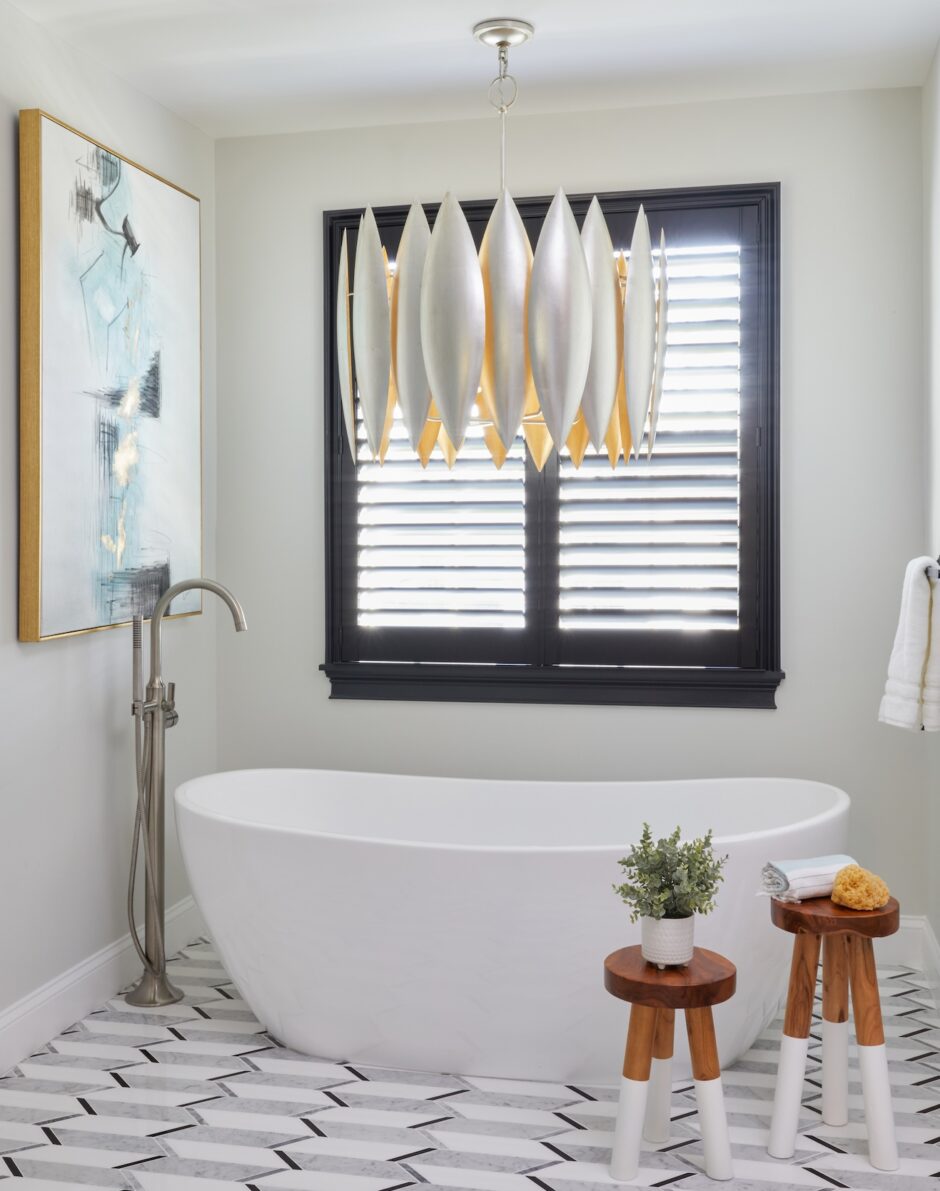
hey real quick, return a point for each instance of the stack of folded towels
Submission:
(796, 880)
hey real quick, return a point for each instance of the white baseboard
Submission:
(907, 946)
(931, 965)
(916, 945)
(42, 1014)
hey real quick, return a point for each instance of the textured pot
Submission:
(667, 942)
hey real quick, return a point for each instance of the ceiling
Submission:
(240, 67)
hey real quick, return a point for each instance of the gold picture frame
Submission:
(133, 381)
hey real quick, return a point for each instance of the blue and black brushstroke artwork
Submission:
(121, 488)
(115, 297)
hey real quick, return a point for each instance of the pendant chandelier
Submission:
(568, 342)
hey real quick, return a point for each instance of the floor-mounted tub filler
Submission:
(154, 712)
(446, 924)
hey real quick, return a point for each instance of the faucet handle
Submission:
(171, 715)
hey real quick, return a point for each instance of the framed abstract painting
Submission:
(110, 385)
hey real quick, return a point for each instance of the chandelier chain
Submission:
(502, 95)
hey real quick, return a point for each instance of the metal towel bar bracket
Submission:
(933, 571)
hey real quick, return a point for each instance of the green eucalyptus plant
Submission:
(667, 878)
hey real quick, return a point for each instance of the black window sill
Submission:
(625, 686)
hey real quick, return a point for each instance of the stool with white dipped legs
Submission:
(848, 960)
(646, 1088)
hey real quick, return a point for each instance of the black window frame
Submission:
(434, 664)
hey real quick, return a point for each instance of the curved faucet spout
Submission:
(156, 623)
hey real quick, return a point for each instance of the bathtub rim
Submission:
(182, 797)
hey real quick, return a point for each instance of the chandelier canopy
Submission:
(567, 342)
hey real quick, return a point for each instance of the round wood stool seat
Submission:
(708, 980)
(845, 938)
(821, 916)
(654, 995)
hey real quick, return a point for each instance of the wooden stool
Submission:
(646, 1087)
(848, 956)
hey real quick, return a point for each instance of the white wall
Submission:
(66, 776)
(931, 156)
(852, 469)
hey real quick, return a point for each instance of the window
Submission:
(655, 583)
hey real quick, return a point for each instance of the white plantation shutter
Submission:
(653, 584)
(441, 548)
(654, 545)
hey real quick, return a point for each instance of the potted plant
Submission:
(667, 883)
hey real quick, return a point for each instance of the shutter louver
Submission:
(654, 545)
(441, 548)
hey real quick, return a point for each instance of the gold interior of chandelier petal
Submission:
(617, 440)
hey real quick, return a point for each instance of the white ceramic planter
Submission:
(667, 942)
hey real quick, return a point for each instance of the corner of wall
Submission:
(930, 121)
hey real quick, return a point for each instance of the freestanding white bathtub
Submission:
(456, 925)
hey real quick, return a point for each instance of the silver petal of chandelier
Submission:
(453, 320)
(344, 348)
(662, 313)
(411, 378)
(600, 390)
(639, 330)
(559, 319)
(506, 262)
(371, 329)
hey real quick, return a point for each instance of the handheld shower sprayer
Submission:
(153, 714)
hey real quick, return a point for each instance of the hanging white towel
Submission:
(930, 697)
(912, 692)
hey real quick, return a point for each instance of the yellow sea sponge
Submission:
(859, 889)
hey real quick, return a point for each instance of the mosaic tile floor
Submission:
(195, 1097)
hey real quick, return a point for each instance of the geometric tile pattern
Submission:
(196, 1097)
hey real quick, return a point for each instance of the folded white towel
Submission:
(912, 692)
(796, 880)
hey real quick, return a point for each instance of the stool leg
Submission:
(659, 1102)
(634, 1088)
(835, 1030)
(872, 1056)
(708, 1092)
(793, 1046)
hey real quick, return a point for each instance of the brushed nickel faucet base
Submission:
(153, 989)
(154, 713)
